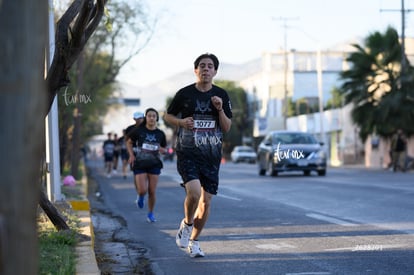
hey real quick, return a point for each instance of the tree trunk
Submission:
(23, 28)
(77, 116)
(52, 213)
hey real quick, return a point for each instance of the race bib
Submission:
(204, 124)
(149, 147)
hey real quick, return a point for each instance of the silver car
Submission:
(282, 151)
(243, 154)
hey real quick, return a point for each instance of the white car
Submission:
(243, 154)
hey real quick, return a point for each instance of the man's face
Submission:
(205, 70)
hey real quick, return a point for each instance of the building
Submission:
(272, 78)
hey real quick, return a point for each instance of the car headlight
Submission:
(279, 156)
(317, 155)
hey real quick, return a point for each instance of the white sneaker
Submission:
(183, 235)
(194, 249)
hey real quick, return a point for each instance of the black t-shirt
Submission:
(129, 129)
(148, 142)
(108, 147)
(122, 144)
(205, 140)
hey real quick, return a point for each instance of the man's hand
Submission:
(217, 102)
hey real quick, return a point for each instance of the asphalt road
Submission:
(352, 221)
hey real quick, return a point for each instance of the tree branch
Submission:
(69, 44)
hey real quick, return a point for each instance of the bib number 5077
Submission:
(204, 124)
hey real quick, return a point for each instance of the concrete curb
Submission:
(85, 254)
(86, 259)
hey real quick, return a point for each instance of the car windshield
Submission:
(293, 138)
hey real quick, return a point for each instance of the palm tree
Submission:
(381, 97)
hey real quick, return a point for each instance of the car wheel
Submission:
(306, 172)
(261, 164)
(322, 172)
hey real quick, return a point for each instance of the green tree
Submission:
(81, 107)
(336, 100)
(73, 30)
(114, 43)
(291, 107)
(242, 121)
(381, 97)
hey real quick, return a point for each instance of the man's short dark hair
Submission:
(207, 55)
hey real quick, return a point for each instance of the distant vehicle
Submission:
(243, 154)
(282, 151)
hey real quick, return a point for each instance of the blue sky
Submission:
(240, 30)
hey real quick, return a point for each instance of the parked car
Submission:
(243, 154)
(282, 151)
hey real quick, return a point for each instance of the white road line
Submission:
(330, 219)
(309, 273)
(228, 197)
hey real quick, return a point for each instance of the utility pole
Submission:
(52, 127)
(286, 63)
(403, 11)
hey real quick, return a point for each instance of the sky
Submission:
(241, 30)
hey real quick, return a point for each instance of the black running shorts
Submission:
(191, 167)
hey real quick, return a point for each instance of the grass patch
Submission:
(57, 248)
(73, 192)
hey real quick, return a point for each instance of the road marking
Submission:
(309, 273)
(330, 219)
(228, 197)
(278, 246)
(367, 247)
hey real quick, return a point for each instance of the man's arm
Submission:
(171, 119)
(225, 122)
(186, 123)
(131, 158)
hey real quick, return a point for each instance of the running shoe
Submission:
(194, 249)
(183, 235)
(140, 202)
(151, 218)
